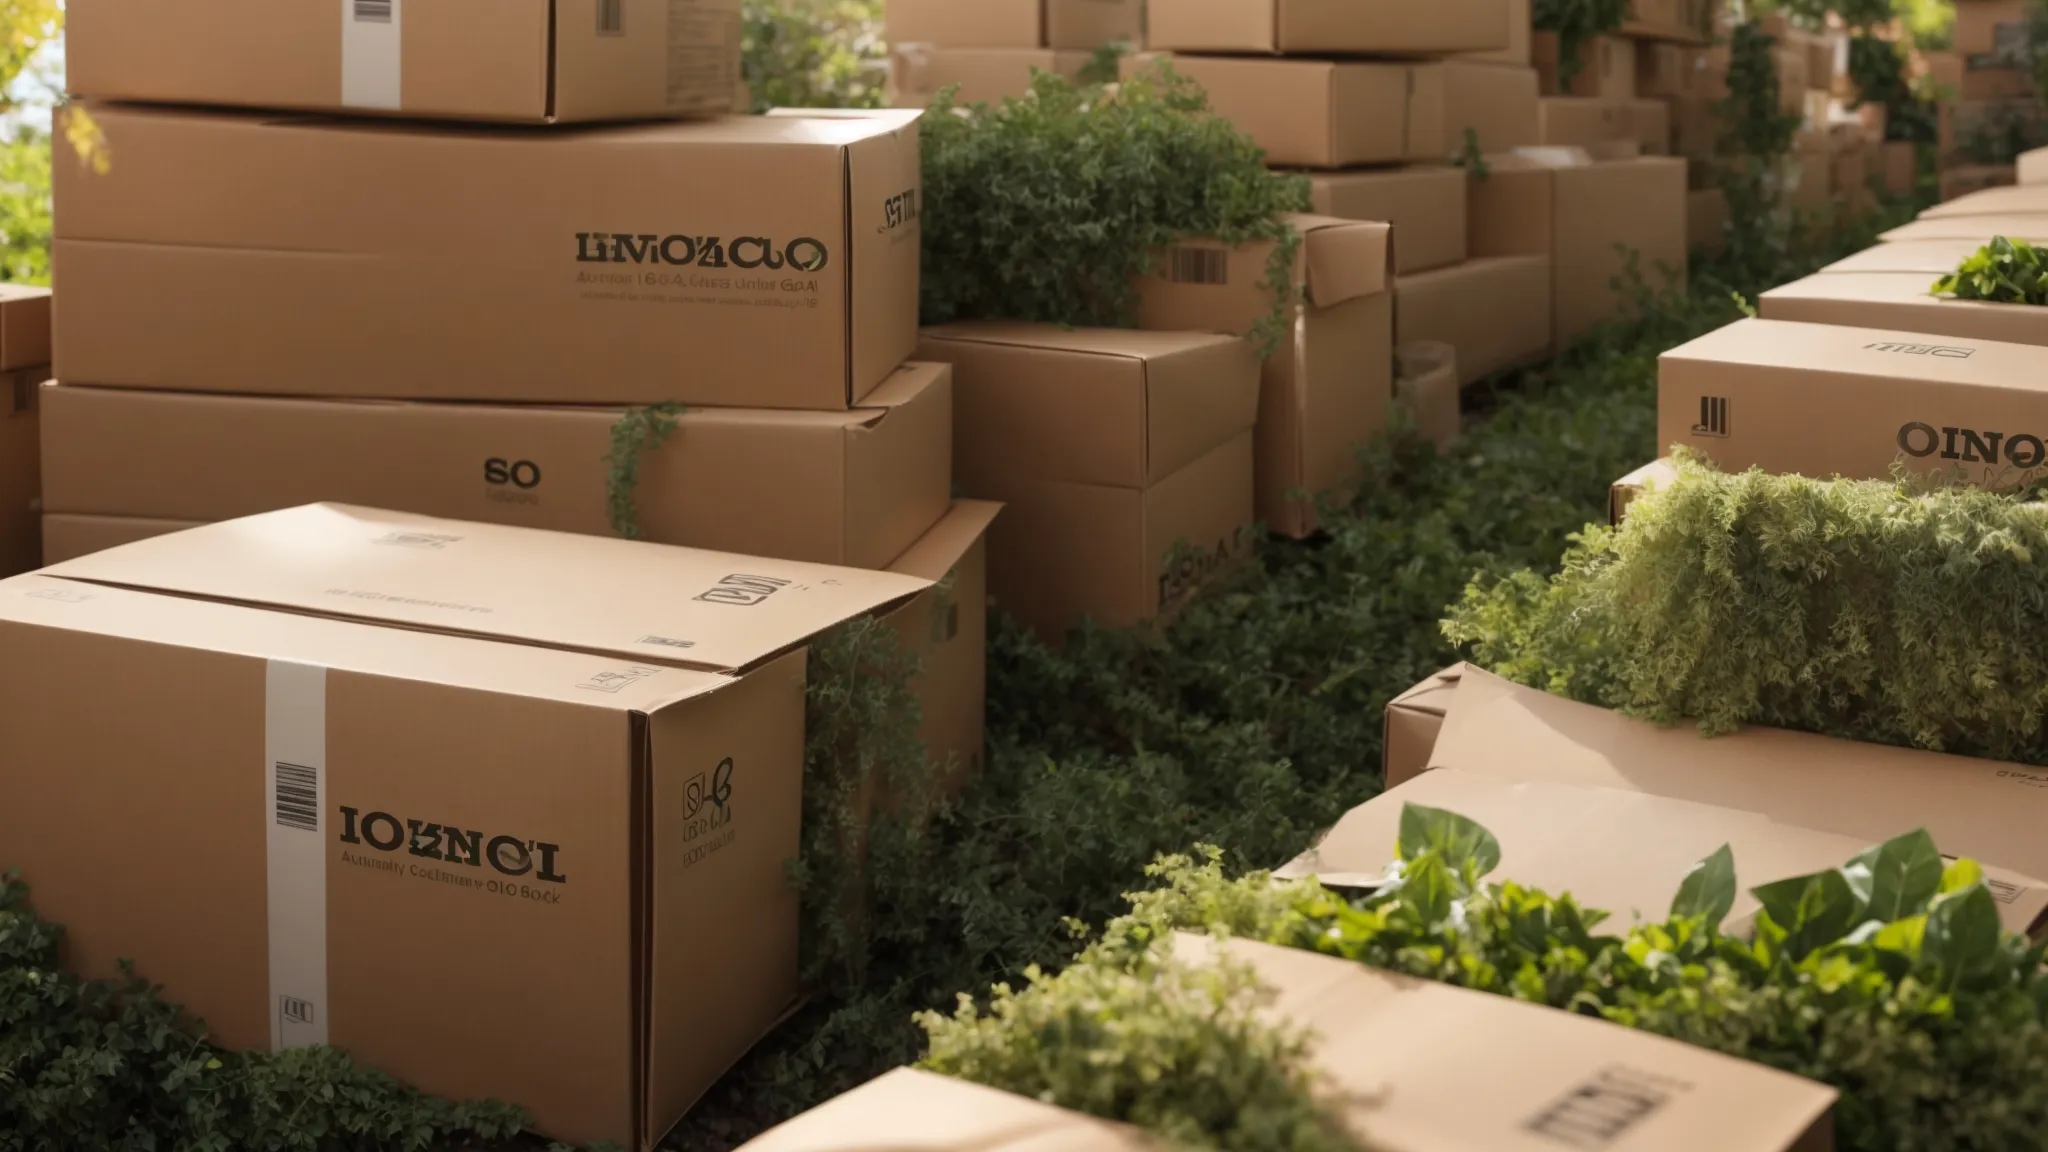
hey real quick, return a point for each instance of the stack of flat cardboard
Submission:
(24, 365)
(988, 49)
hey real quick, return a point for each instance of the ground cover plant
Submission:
(2002, 272)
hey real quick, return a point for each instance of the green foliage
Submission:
(1576, 23)
(1049, 207)
(1755, 137)
(25, 223)
(1888, 978)
(1105, 63)
(1865, 609)
(637, 431)
(813, 53)
(2003, 271)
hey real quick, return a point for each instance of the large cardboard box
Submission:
(1587, 218)
(1341, 113)
(1753, 394)
(1111, 449)
(1495, 312)
(1413, 719)
(333, 258)
(1424, 203)
(1605, 67)
(361, 731)
(1901, 302)
(20, 474)
(2029, 226)
(1668, 70)
(533, 61)
(912, 1108)
(2033, 167)
(919, 72)
(1978, 77)
(1574, 122)
(1072, 25)
(1334, 27)
(1326, 390)
(2005, 200)
(855, 487)
(24, 330)
(1991, 27)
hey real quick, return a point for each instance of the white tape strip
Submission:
(370, 36)
(295, 813)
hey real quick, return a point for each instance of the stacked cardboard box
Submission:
(1989, 112)
(24, 365)
(2033, 167)
(988, 49)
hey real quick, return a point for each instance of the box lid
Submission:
(663, 605)
(2031, 227)
(1877, 352)
(912, 1108)
(1932, 257)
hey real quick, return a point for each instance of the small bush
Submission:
(2002, 272)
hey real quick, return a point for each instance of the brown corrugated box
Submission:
(1901, 166)
(2033, 167)
(236, 253)
(1335, 27)
(24, 328)
(1623, 492)
(361, 730)
(1519, 35)
(1076, 25)
(1902, 303)
(1584, 216)
(2008, 200)
(67, 536)
(1755, 393)
(912, 1108)
(1494, 311)
(1963, 179)
(535, 61)
(1341, 113)
(1109, 448)
(1426, 382)
(1606, 67)
(1411, 725)
(918, 72)
(1670, 70)
(855, 487)
(1933, 258)
(1569, 121)
(1327, 388)
(1986, 27)
(1977, 78)
(1424, 203)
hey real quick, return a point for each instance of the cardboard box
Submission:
(1338, 114)
(2033, 167)
(1585, 217)
(532, 61)
(1572, 122)
(1517, 53)
(1412, 722)
(1991, 27)
(1706, 220)
(1073, 25)
(1623, 492)
(1110, 449)
(67, 536)
(1494, 311)
(1326, 390)
(2005, 200)
(1606, 68)
(362, 732)
(20, 482)
(919, 72)
(2031, 227)
(1750, 395)
(1961, 181)
(1650, 126)
(1695, 129)
(1425, 204)
(1977, 78)
(1808, 180)
(1930, 258)
(413, 262)
(1668, 70)
(24, 327)
(910, 1107)
(1336, 27)
(1851, 183)
(854, 488)
(1426, 382)
(1901, 167)
(1793, 81)
(1902, 302)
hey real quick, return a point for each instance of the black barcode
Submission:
(1199, 266)
(2003, 891)
(373, 11)
(611, 17)
(298, 797)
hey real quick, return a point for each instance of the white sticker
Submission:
(294, 813)
(369, 53)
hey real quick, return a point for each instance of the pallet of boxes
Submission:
(1989, 111)
(382, 324)
(989, 49)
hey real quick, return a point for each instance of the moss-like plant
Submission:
(2002, 272)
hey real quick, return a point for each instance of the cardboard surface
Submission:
(1068, 25)
(24, 327)
(1624, 491)
(2010, 200)
(67, 537)
(1329, 386)
(20, 474)
(533, 61)
(1900, 301)
(1426, 381)
(1362, 27)
(918, 72)
(1606, 67)
(1495, 105)
(1668, 70)
(1932, 258)
(1985, 27)
(912, 1108)
(1494, 311)
(1108, 448)
(434, 262)
(1571, 121)
(853, 488)
(2033, 167)
(1412, 722)
(1426, 204)
(1976, 78)
(1519, 35)
(1706, 220)
(1901, 167)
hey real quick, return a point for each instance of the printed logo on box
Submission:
(802, 254)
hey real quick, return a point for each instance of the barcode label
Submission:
(611, 17)
(1198, 266)
(1598, 1113)
(373, 11)
(2005, 892)
(298, 797)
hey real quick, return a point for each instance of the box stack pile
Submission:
(1623, 87)
(990, 48)
(1989, 112)
(24, 365)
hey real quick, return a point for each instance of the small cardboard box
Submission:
(1332, 27)
(1706, 220)
(20, 482)
(2004, 200)
(1573, 122)
(854, 488)
(1902, 302)
(1991, 27)
(1977, 78)
(1328, 387)
(407, 261)
(1667, 70)
(1110, 450)
(919, 72)
(1751, 395)
(1606, 67)
(531, 61)
(1586, 217)
(361, 731)
(1426, 381)
(1623, 492)
(1425, 204)
(1494, 311)
(1066, 25)
(2033, 167)
(1412, 722)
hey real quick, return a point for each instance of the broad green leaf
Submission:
(1897, 878)
(1963, 932)
(1459, 841)
(1960, 875)
(1814, 911)
(1708, 891)
(1429, 890)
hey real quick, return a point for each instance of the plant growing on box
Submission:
(2002, 272)
(1577, 23)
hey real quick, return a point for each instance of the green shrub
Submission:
(813, 53)
(1576, 23)
(1888, 978)
(2003, 272)
(1048, 207)
(1874, 610)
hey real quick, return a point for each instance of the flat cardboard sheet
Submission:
(2029, 226)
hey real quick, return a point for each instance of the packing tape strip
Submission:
(371, 32)
(295, 819)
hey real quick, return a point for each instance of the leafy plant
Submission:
(1755, 138)
(637, 432)
(1049, 207)
(813, 53)
(1577, 23)
(1105, 63)
(2003, 271)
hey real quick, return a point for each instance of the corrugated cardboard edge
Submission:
(1656, 474)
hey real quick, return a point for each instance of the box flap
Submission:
(1426, 1067)
(2033, 228)
(659, 604)
(1930, 257)
(2013, 199)
(938, 551)
(902, 387)
(1345, 259)
(914, 1109)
